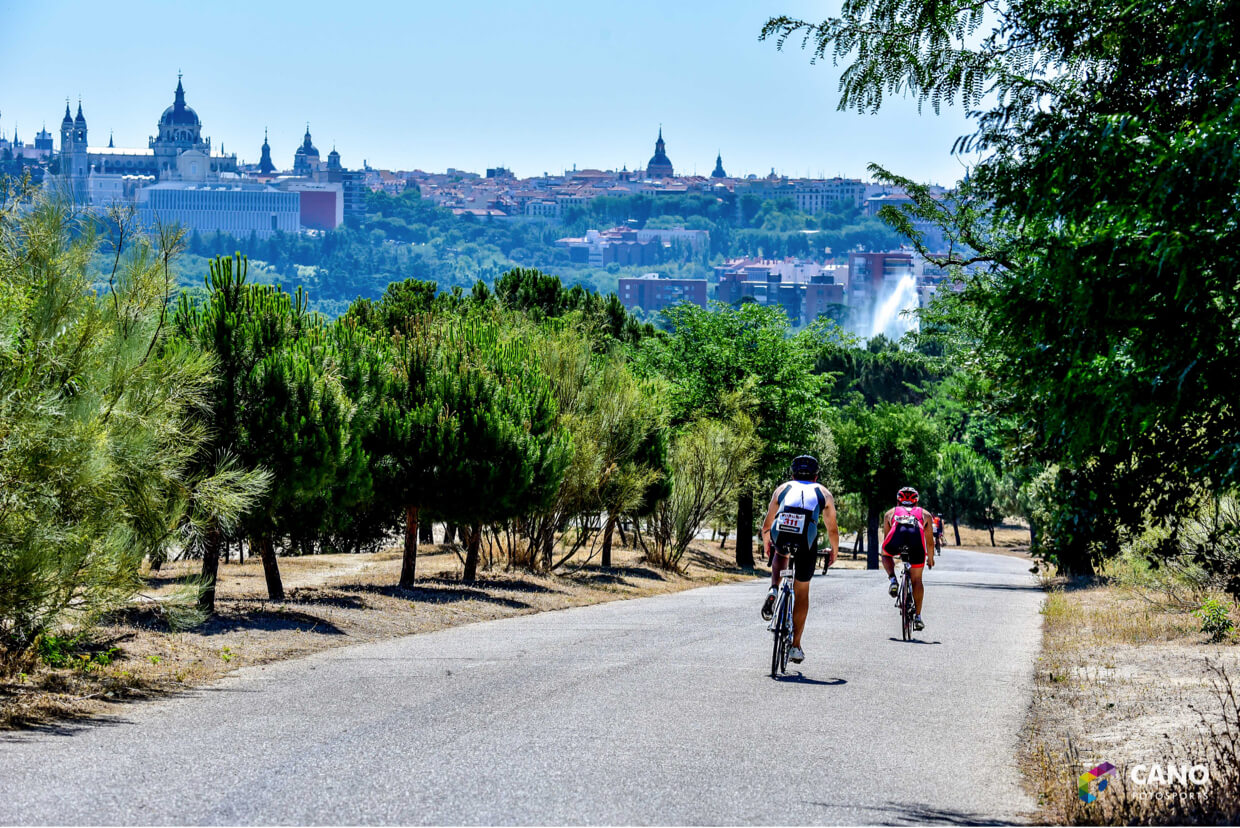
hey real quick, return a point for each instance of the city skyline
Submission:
(467, 105)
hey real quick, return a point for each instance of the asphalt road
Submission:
(658, 710)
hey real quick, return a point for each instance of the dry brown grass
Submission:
(332, 600)
(1129, 682)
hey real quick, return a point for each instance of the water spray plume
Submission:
(889, 317)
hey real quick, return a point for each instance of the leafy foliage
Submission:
(99, 421)
(1102, 204)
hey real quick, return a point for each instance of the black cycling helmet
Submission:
(804, 467)
(907, 496)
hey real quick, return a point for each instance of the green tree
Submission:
(1099, 125)
(965, 487)
(279, 406)
(715, 357)
(99, 421)
(880, 450)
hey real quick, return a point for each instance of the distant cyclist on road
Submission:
(908, 525)
(792, 525)
(938, 532)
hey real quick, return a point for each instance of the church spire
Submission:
(110, 144)
(179, 101)
(265, 165)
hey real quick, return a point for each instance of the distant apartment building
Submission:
(620, 246)
(804, 290)
(542, 209)
(653, 293)
(931, 233)
(819, 195)
(697, 240)
(870, 273)
(320, 204)
(235, 208)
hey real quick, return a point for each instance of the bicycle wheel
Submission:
(778, 643)
(906, 608)
(787, 626)
(776, 653)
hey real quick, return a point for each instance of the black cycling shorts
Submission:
(804, 558)
(916, 555)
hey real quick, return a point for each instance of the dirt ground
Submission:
(1126, 680)
(331, 601)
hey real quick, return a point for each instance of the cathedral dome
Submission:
(179, 114)
(660, 165)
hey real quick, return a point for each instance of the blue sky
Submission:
(535, 86)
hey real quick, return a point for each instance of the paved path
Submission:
(657, 710)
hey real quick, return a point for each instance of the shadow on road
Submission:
(939, 816)
(913, 641)
(975, 585)
(801, 678)
(431, 592)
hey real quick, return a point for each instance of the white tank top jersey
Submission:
(801, 495)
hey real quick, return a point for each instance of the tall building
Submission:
(179, 131)
(306, 159)
(660, 166)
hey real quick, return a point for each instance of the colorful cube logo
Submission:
(1100, 773)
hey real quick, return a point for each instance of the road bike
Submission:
(904, 598)
(781, 623)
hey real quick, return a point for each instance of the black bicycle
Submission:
(904, 598)
(781, 624)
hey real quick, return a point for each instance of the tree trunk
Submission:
(471, 556)
(857, 545)
(410, 560)
(426, 532)
(991, 528)
(241, 552)
(744, 530)
(956, 529)
(210, 569)
(449, 532)
(156, 562)
(608, 529)
(1033, 535)
(271, 569)
(624, 541)
(872, 541)
(227, 553)
(723, 539)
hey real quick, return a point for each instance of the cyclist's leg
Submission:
(889, 564)
(779, 562)
(919, 588)
(803, 562)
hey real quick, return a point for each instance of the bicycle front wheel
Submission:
(775, 652)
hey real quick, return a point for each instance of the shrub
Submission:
(1215, 617)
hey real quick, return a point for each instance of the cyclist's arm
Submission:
(927, 534)
(771, 510)
(833, 527)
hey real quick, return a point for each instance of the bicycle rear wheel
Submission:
(906, 609)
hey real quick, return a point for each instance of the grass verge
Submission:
(1130, 680)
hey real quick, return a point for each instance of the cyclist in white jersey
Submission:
(791, 526)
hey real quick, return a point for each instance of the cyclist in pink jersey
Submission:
(908, 525)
